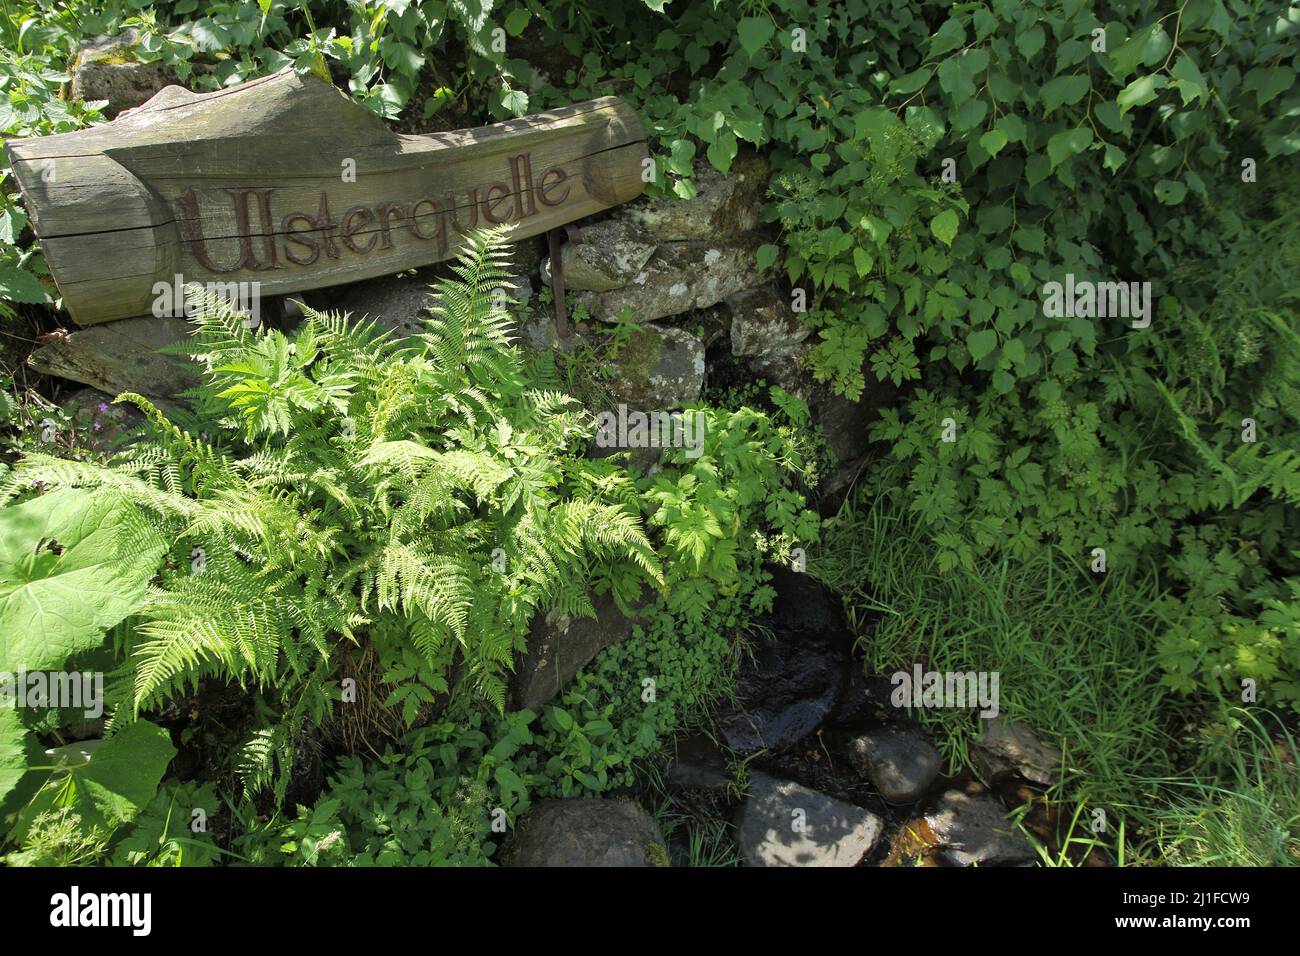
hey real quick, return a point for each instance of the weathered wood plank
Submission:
(285, 182)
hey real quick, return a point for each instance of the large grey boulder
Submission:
(784, 824)
(122, 356)
(658, 368)
(975, 831)
(679, 277)
(725, 204)
(559, 644)
(900, 761)
(586, 832)
(108, 69)
(1007, 747)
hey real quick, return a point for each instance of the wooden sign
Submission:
(286, 182)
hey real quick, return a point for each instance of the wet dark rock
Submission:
(586, 832)
(307, 778)
(559, 645)
(974, 830)
(784, 824)
(899, 760)
(789, 687)
(863, 701)
(698, 765)
(1007, 747)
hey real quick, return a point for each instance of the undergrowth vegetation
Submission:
(1101, 507)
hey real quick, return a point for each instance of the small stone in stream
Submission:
(1007, 747)
(974, 830)
(784, 824)
(789, 682)
(586, 832)
(900, 761)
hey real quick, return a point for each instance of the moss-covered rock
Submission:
(109, 68)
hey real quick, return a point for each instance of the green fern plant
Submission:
(355, 486)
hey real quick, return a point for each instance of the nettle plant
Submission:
(350, 488)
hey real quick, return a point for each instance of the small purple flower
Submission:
(103, 407)
(97, 426)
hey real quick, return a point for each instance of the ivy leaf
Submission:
(683, 157)
(910, 82)
(944, 226)
(862, 260)
(955, 81)
(1068, 143)
(1147, 46)
(514, 102)
(1013, 350)
(1013, 126)
(754, 33)
(1113, 158)
(1188, 79)
(948, 37)
(981, 343)
(970, 114)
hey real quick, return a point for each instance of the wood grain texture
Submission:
(286, 182)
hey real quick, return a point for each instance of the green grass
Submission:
(1182, 783)
(1243, 808)
(1075, 652)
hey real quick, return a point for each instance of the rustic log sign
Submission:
(286, 182)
